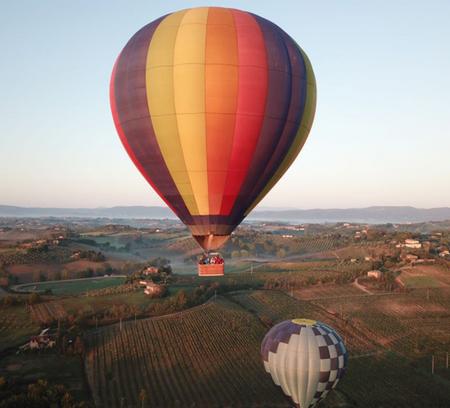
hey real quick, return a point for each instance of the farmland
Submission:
(16, 326)
(72, 287)
(425, 277)
(199, 345)
(272, 307)
(217, 345)
(411, 323)
(208, 356)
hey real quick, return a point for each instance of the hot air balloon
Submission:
(306, 358)
(212, 105)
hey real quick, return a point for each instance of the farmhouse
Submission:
(152, 289)
(150, 270)
(412, 243)
(40, 342)
(411, 257)
(375, 274)
(76, 255)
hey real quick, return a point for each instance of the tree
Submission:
(78, 346)
(180, 300)
(33, 298)
(9, 300)
(142, 397)
(235, 254)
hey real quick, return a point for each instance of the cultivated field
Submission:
(425, 277)
(16, 326)
(273, 306)
(326, 291)
(412, 323)
(72, 287)
(208, 357)
(47, 312)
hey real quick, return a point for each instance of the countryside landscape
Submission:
(240, 204)
(385, 288)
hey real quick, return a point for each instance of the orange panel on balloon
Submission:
(221, 77)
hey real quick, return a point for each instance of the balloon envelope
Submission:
(306, 358)
(212, 105)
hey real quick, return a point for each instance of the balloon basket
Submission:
(211, 270)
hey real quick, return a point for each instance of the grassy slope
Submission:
(386, 379)
(16, 326)
(73, 287)
(205, 357)
(212, 342)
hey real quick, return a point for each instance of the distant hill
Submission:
(107, 212)
(374, 215)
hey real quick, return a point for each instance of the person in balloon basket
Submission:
(213, 260)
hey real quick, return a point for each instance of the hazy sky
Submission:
(381, 134)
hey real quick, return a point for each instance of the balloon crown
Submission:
(304, 322)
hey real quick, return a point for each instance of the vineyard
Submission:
(35, 256)
(412, 323)
(114, 290)
(47, 312)
(207, 356)
(389, 380)
(272, 307)
(317, 244)
(327, 291)
(15, 326)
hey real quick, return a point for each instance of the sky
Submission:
(381, 135)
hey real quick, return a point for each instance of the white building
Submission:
(412, 243)
(374, 274)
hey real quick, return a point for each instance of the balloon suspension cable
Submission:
(210, 239)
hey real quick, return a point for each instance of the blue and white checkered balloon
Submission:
(306, 358)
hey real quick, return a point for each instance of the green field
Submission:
(420, 282)
(72, 287)
(16, 326)
(209, 357)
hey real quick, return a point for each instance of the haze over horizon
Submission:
(380, 136)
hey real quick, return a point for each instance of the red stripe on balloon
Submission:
(293, 119)
(252, 94)
(278, 99)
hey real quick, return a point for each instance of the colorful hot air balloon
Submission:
(306, 358)
(212, 105)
